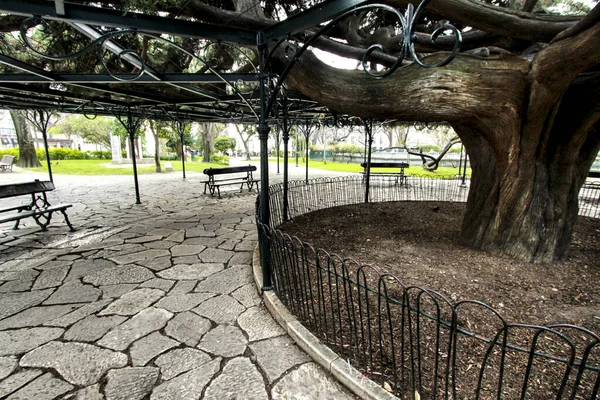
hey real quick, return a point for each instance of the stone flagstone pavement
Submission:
(152, 301)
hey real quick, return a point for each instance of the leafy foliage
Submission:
(224, 143)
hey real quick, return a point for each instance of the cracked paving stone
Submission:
(50, 278)
(293, 385)
(258, 324)
(179, 361)
(17, 380)
(46, 387)
(204, 241)
(227, 280)
(157, 283)
(143, 239)
(16, 286)
(143, 323)
(185, 260)
(182, 302)
(145, 349)
(140, 256)
(228, 244)
(241, 257)
(190, 271)
(74, 292)
(81, 268)
(20, 341)
(131, 383)
(159, 264)
(199, 233)
(79, 314)
(15, 302)
(225, 341)
(37, 316)
(247, 295)
(88, 393)
(133, 302)
(188, 328)
(221, 309)
(211, 255)
(189, 385)
(7, 366)
(79, 363)
(177, 237)
(288, 356)
(25, 275)
(182, 287)
(114, 291)
(92, 328)
(227, 385)
(119, 274)
(186, 250)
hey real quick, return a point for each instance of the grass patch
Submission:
(415, 170)
(104, 167)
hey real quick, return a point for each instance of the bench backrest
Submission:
(229, 170)
(20, 189)
(6, 159)
(386, 165)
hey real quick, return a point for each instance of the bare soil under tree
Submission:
(418, 242)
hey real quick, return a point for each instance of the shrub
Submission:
(168, 158)
(101, 154)
(11, 152)
(217, 159)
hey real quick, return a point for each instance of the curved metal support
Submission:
(128, 55)
(408, 24)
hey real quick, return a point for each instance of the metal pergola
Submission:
(251, 97)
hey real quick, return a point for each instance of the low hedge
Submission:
(59, 153)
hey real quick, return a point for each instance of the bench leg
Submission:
(64, 213)
(38, 220)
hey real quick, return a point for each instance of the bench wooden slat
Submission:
(214, 184)
(386, 165)
(21, 189)
(7, 162)
(399, 174)
(39, 208)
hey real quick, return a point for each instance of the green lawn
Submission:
(415, 170)
(102, 167)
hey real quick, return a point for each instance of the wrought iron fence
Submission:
(411, 339)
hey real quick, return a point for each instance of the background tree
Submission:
(96, 130)
(159, 130)
(27, 156)
(209, 131)
(224, 143)
(245, 132)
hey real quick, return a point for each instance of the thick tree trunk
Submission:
(530, 129)
(27, 156)
(208, 138)
(526, 207)
(154, 130)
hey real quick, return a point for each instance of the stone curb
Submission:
(346, 374)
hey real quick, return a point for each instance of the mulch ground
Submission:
(418, 242)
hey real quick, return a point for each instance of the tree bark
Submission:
(27, 156)
(155, 135)
(530, 129)
(208, 137)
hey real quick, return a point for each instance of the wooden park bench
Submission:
(38, 207)
(399, 175)
(218, 177)
(7, 162)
